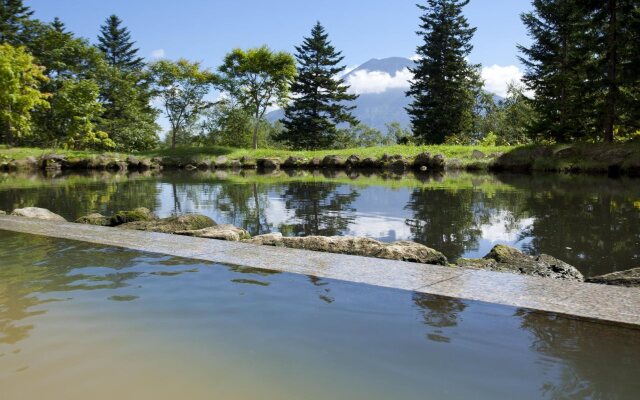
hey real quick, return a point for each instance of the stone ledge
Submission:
(593, 302)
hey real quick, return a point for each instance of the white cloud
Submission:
(497, 77)
(363, 81)
(158, 53)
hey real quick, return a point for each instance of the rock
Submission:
(268, 164)
(477, 154)
(133, 162)
(235, 164)
(221, 161)
(188, 222)
(315, 163)
(399, 165)
(248, 163)
(52, 161)
(268, 239)
(190, 167)
(146, 164)
(333, 161)
(221, 232)
(629, 278)
(37, 213)
(478, 263)
(361, 246)
(509, 259)
(422, 160)
(94, 219)
(353, 161)
(138, 214)
(203, 164)
(294, 162)
(368, 162)
(437, 163)
(3, 212)
(116, 165)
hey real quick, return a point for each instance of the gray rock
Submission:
(361, 246)
(37, 213)
(629, 278)
(188, 222)
(477, 154)
(315, 163)
(94, 219)
(437, 163)
(422, 160)
(3, 212)
(399, 165)
(268, 164)
(353, 161)
(333, 161)
(221, 161)
(248, 162)
(221, 232)
(133, 162)
(509, 259)
(369, 162)
(295, 162)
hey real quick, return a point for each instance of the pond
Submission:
(590, 222)
(81, 321)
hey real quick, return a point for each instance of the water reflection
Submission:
(439, 314)
(590, 222)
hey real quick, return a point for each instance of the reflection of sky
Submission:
(378, 212)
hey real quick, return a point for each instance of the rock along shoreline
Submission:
(501, 258)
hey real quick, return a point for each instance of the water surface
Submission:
(590, 222)
(81, 321)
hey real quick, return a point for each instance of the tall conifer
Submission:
(13, 16)
(115, 42)
(445, 84)
(319, 95)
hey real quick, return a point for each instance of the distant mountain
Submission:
(375, 109)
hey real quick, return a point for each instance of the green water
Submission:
(80, 321)
(588, 221)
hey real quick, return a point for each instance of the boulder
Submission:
(361, 246)
(477, 154)
(235, 164)
(133, 162)
(294, 162)
(248, 162)
(629, 278)
(138, 214)
(504, 258)
(399, 165)
(437, 163)
(203, 164)
(353, 161)
(368, 162)
(188, 222)
(37, 213)
(94, 219)
(3, 212)
(221, 161)
(333, 161)
(268, 164)
(315, 163)
(422, 160)
(268, 239)
(221, 232)
(52, 161)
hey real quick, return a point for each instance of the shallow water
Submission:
(82, 321)
(590, 222)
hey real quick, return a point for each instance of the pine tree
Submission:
(558, 67)
(115, 42)
(445, 85)
(318, 95)
(59, 26)
(13, 16)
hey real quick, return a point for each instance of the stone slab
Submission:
(602, 303)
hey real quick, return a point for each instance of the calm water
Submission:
(80, 321)
(590, 222)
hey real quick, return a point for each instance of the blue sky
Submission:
(206, 30)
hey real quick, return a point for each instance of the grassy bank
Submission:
(590, 158)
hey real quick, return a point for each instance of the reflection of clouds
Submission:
(503, 228)
(379, 227)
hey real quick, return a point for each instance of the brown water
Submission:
(588, 221)
(80, 321)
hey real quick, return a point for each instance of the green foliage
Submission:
(182, 86)
(116, 44)
(445, 85)
(13, 16)
(75, 108)
(257, 79)
(318, 96)
(397, 134)
(508, 120)
(360, 135)
(20, 79)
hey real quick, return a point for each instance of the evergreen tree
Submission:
(445, 85)
(557, 64)
(59, 26)
(13, 17)
(318, 95)
(115, 42)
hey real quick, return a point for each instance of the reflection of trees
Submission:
(439, 314)
(245, 206)
(597, 360)
(319, 209)
(79, 194)
(590, 222)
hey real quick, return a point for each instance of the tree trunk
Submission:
(257, 204)
(173, 139)
(612, 87)
(255, 132)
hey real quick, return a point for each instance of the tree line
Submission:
(582, 82)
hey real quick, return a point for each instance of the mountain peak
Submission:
(390, 65)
